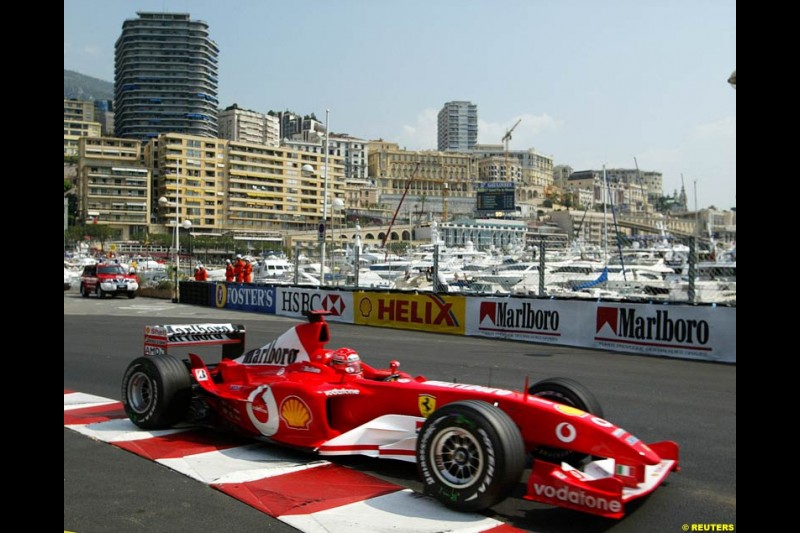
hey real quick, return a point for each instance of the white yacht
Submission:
(368, 279)
(391, 270)
(510, 274)
(272, 268)
(714, 282)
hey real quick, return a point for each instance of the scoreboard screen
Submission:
(496, 196)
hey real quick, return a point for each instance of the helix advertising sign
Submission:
(425, 312)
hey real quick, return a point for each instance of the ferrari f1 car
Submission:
(471, 443)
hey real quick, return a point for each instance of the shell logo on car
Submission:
(295, 413)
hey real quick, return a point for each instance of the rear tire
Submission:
(470, 455)
(568, 392)
(156, 391)
(83, 291)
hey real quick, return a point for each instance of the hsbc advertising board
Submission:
(295, 302)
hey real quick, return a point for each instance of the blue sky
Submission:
(594, 82)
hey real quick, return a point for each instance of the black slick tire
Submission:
(156, 391)
(470, 455)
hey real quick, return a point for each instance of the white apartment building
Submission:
(353, 151)
(79, 121)
(245, 125)
(113, 185)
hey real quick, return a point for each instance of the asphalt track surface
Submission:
(690, 402)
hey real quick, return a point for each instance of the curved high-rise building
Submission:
(458, 127)
(165, 77)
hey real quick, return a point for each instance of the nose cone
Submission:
(648, 456)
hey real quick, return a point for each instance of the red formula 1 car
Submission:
(470, 442)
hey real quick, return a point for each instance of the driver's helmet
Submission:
(346, 361)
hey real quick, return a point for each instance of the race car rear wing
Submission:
(158, 339)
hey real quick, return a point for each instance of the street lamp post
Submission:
(309, 168)
(177, 222)
(336, 205)
(324, 201)
(187, 224)
(357, 255)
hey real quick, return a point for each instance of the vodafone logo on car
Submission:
(566, 432)
(259, 410)
(576, 497)
(262, 409)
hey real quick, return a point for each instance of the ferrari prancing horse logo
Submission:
(427, 404)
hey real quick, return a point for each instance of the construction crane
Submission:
(399, 205)
(506, 138)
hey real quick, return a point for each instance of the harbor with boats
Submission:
(507, 259)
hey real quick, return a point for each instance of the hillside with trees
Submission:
(81, 87)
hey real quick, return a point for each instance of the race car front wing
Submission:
(602, 487)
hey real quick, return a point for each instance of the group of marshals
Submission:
(240, 271)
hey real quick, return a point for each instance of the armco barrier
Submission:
(701, 332)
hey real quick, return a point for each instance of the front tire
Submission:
(470, 455)
(84, 292)
(156, 391)
(567, 392)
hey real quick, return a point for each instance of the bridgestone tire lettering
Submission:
(156, 391)
(470, 455)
